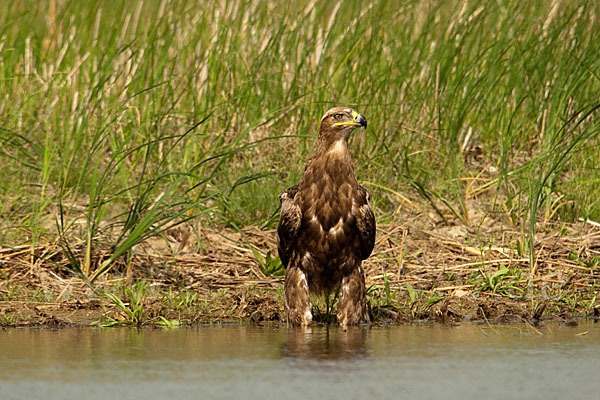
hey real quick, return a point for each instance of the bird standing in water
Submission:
(327, 227)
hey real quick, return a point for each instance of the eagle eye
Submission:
(338, 116)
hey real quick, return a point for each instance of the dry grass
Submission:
(417, 271)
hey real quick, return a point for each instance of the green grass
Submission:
(120, 119)
(132, 309)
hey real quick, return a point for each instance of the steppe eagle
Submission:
(327, 227)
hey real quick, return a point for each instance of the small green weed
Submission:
(131, 311)
(504, 281)
(271, 265)
(168, 323)
(382, 297)
(327, 316)
(10, 319)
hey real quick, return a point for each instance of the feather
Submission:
(327, 227)
(289, 222)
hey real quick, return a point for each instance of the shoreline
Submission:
(427, 275)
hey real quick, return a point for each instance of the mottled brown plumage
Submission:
(326, 227)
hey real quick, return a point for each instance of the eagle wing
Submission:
(289, 223)
(365, 222)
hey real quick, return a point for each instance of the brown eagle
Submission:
(326, 227)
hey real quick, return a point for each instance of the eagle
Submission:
(326, 227)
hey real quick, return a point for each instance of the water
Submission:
(416, 361)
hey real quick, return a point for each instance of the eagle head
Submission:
(341, 121)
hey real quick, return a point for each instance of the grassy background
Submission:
(134, 116)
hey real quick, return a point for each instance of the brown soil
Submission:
(413, 274)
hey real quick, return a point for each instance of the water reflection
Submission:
(420, 361)
(325, 343)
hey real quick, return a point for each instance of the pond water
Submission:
(417, 361)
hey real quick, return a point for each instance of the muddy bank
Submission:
(267, 308)
(444, 274)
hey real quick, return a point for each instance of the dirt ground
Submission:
(439, 273)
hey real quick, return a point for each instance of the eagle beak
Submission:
(362, 121)
(359, 119)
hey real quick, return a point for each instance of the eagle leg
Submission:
(297, 297)
(352, 305)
